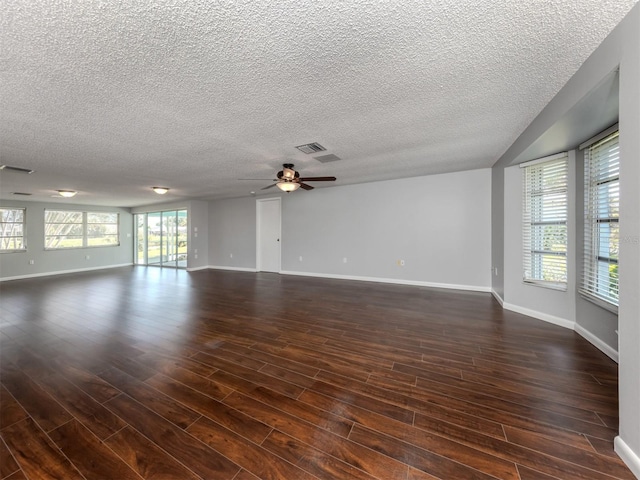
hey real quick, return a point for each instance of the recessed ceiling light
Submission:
(160, 190)
(67, 193)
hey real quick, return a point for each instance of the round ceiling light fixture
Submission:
(288, 186)
(67, 193)
(160, 190)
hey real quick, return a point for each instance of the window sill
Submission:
(561, 287)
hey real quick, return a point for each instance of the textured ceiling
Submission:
(111, 98)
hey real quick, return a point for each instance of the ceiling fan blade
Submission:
(317, 179)
(305, 186)
(269, 186)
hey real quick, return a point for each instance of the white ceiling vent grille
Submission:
(311, 148)
(327, 158)
(9, 168)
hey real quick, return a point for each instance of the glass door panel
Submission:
(181, 238)
(141, 239)
(154, 238)
(161, 238)
(169, 239)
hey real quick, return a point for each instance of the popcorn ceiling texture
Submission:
(113, 97)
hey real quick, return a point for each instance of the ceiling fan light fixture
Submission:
(160, 190)
(288, 186)
(67, 193)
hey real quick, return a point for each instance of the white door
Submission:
(268, 229)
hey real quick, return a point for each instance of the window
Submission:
(544, 230)
(12, 228)
(70, 229)
(102, 229)
(602, 209)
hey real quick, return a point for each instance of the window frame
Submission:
(84, 235)
(594, 237)
(24, 231)
(540, 204)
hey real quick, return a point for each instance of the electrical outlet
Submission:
(300, 258)
(401, 262)
(87, 257)
(32, 262)
(231, 255)
(344, 260)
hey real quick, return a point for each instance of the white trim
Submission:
(63, 272)
(195, 269)
(562, 322)
(397, 281)
(544, 159)
(628, 456)
(596, 342)
(497, 297)
(599, 137)
(238, 269)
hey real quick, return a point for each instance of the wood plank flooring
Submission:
(155, 373)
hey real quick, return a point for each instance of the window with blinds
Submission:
(544, 223)
(601, 222)
(75, 229)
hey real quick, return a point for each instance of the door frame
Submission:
(260, 202)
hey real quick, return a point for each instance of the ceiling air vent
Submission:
(16, 169)
(311, 148)
(21, 193)
(327, 158)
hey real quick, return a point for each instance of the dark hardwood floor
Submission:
(162, 374)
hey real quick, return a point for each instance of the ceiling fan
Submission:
(289, 180)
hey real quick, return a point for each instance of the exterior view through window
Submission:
(602, 213)
(75, 229)
(545, 209)
(161, 238)
(12, 229)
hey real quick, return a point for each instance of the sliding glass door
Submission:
(161, 238)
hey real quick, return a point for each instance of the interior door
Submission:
(268, 229)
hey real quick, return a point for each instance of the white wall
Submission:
(621, 49)
(232, 233)
(16, 265)
(198, 235)
(628, 443)
(552, 305)
(439, 225)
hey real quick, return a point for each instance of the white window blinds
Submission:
(544, 227)
(602, 210)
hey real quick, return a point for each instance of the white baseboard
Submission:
(195, 269)
(596, 342)
(237, 269)
(63, 272)
(474, 288)
(497, 297)
(628, 456)
(562, 322)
